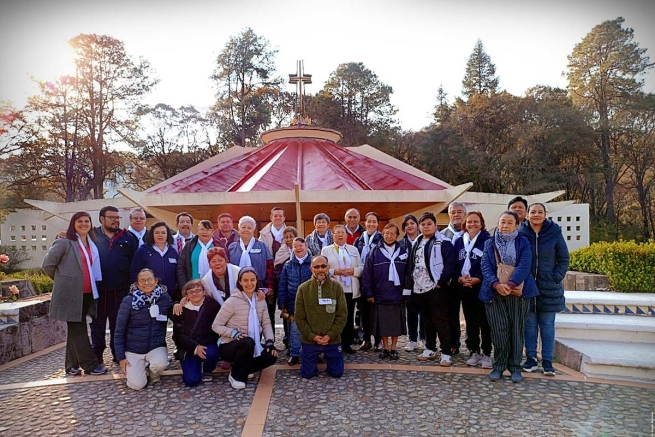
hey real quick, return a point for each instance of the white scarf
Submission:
(208, 282)
(456, 233)
(160, 251)
(139, 235)
(410, 239)
(92, 263)
(278, 235)
(301, 260)
(468, 247)
(203, 262)
(254, 330)
(193, 307)
(391, 256)
(343, 257)
(368, 242)
(323, 239)
(245, 261)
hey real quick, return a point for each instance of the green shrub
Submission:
(629, 266)
(40, 281)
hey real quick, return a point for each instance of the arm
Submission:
(137, 264)
(301, 314)
(357, 264)
(265, 322)
(367, 277)
(224, 315)
(180, 338)
(449, 263)
(122, 320)
(524, 261)
(562, 258)
(54, 256)
(489, 264)
(282, 287)
(180, 270)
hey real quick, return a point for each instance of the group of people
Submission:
(340, 287)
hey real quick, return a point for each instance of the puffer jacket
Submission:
(136, 331)
(550, 262)
(293, 274)
(233, 316)
(193, 328)
(375, 277)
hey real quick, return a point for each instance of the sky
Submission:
(413, 46)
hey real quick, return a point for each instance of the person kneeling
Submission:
(321, 314)
(240, 323)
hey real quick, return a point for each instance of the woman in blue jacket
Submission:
(550, 261)
(506, 311)
(140, 338)
(158, 254)
(469, 280)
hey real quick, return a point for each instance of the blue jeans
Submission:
(294, 340)
(333, 358)
(540, 323)
(193, 366)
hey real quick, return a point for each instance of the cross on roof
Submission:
(300, 79)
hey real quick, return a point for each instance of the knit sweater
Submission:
(313, 319)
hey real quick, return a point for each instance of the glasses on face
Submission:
(195, 291)
(146, 280)
(113, 217)
(320, 266)
(137, 219)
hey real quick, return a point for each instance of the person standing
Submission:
(138, 224)
(321, 236)
(225, 235)
(74, 265)
(456, 213)
(116, 248)
(415, 329)
(550, 262)
(353, 227)
(520, 206)
(321, 316)
(193, 263)
(272, 235)
(184, 222)
(158, 255)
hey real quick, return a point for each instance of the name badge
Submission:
(325, 301)
(403, 256)
(162, 318)
(255, 251)
(407, 292)
(154, 310)
(172, 260)
(477, 251)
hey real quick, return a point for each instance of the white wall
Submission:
(574, 220)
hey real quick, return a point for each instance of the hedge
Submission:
(629, 266)
(40, 281)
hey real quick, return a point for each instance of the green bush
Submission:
(40, 281)
(629, 266)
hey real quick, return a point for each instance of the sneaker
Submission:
(384, 355)
(445, 361)
(207, 377)
(548, 368)
(394, 355)
(292, 361)
(495, 375)
(486, 362)
(155, 377)
(475, 359)
(530, 365)
(100, 370)
(237, 385)
(420, 345)
(410, 346)
(427, 355)
(516, 376)
(73, 371)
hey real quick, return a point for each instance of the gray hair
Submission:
(456, 204)
(137, 209)
(247, 219)
(321, 216)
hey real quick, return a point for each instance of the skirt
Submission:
(388, 320)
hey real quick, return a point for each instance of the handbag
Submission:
(504, 273)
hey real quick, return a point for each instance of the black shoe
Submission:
(292, 361)
(394, 355)
(495, 375)
(516, 376)
(366, 346)
(100, 370)
(384, 355)
(73, 371)
(378, 347)
(348, 349)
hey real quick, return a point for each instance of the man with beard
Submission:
(184, 222)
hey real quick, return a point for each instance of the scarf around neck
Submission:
(468, 247)
(92, 263)
(343, 257)
(456, 233)
(203, 262)
(391, 255)
(254, 330)
(140, 299)
(506, 248)
(368, 244)
(278, 235)
(245, 260)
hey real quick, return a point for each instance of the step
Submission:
(608, 360)
(609, 302)
(605, 327)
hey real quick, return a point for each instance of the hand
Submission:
(326, 339)
(503, 289)
(269, 292)
(318, 339)
(177, 309)
(348, 272)
(124, 365)
(62, 234)
(240, 336)
(260, 295)
(370, 299)
(200, 351)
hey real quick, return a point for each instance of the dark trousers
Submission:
(78, 347)
(106, 309)
(239, 353)
(333, 359)
(367, 308)
(415, 328)
(434, 311)
(271, 315)
(454, 304)
(193, 366)
(477, 326)
(348, 330)
(507, 316)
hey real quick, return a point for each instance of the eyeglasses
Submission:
(146, 281)
(320, 266)
(138, 219)
(195, 291)
(112, 217)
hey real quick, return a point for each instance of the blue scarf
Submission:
(506, 248)
(140, 299)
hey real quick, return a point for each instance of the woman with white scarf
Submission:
(251, 252)
(74, 265)
(192, 263)
(469, 249)
(240, 323)
(382, 287)
(158, 255)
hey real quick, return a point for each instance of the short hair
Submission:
(301, 239)
(427, 215)
(512, 213)
(321, 216)
(137, 209)
(290, 230)
(407, 218)
(149, 239)
(479, 214)
(70, 232)
(319, 256)
(247, 219)
(374, 214)
(352, 209)
(392, 225)
(104, 210)
(225, 214)
(457, 204)
(334, 229)
(278, 208)
(207, 224)
(542, 205)
(192, 284)
(517, 199)
(217, 251)
(183, 214)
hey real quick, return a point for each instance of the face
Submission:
(321, 226)
(277, 217)
(184, 225)
(352, 218)
(371, 224)
(473, 224)
(428, 227)
(411, 228)
(205, 234)
(340, 236)
(299, 249)
(507, 224)
(536, 215)
(218, 265)
(111, 221)
(246, 231)
(519, 208)
(288, 239)
(196, 294)
(390, 235)
(456, 216)
(83, 225)
(248, 282)
(146, 281)
(225, 224)
(320, 268)
(160, 235)
(138, 221)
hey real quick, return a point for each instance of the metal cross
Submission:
(300, 79)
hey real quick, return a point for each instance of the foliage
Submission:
(16, 255)
(480, 76)
(629, 266)
(40, 281)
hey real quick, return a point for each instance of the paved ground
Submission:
(374, 398)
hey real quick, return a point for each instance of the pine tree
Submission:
(480, 77)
